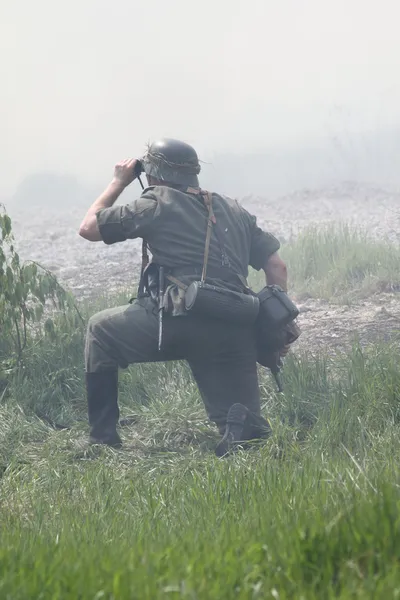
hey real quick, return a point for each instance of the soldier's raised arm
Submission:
(124, 174)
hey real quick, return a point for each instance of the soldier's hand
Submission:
(124, 171)
(283, 352)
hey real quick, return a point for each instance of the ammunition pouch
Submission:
(276, 308)
(275, 327)
(215, 302)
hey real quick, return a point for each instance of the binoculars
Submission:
(138, 171)
(139, 168)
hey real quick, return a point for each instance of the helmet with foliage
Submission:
(172, 161)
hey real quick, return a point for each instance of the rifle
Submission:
(160, 305)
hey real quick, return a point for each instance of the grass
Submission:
(312, 513)
(339, 263)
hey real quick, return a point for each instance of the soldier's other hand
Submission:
(124, 171)
(284, 351)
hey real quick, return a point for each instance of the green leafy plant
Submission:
(26, 289)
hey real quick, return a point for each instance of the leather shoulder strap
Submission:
(207, 197)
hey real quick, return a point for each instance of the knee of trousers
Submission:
(95, 328)
(98, 355)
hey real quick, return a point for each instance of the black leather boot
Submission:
(241, 426)
(103, 411)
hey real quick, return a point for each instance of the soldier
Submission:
(172, 215)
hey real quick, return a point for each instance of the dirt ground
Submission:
(50, 237)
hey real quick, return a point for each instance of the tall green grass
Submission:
(250, 528)
(313, 512)
(339, 263)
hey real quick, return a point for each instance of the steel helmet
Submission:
(172, 161)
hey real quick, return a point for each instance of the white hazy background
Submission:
(273, 94)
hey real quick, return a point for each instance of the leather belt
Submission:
(222, 273)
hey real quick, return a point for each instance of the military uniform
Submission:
(222, 356)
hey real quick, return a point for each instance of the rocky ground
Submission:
(326, 325)
(90, 269)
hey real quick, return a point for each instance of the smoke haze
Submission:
(302, 90)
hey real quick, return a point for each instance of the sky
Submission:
(86, 83)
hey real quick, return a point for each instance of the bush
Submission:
(25, 292)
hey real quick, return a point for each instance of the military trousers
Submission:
(222, 356)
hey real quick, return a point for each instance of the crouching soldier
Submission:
(193, 303)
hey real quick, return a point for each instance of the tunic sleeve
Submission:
(263, 244)
(130, 221)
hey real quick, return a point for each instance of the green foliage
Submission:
(338, 263)
(26, 290)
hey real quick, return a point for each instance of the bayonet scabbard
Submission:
(160, 306)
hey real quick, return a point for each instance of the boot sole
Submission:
(112, 443)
